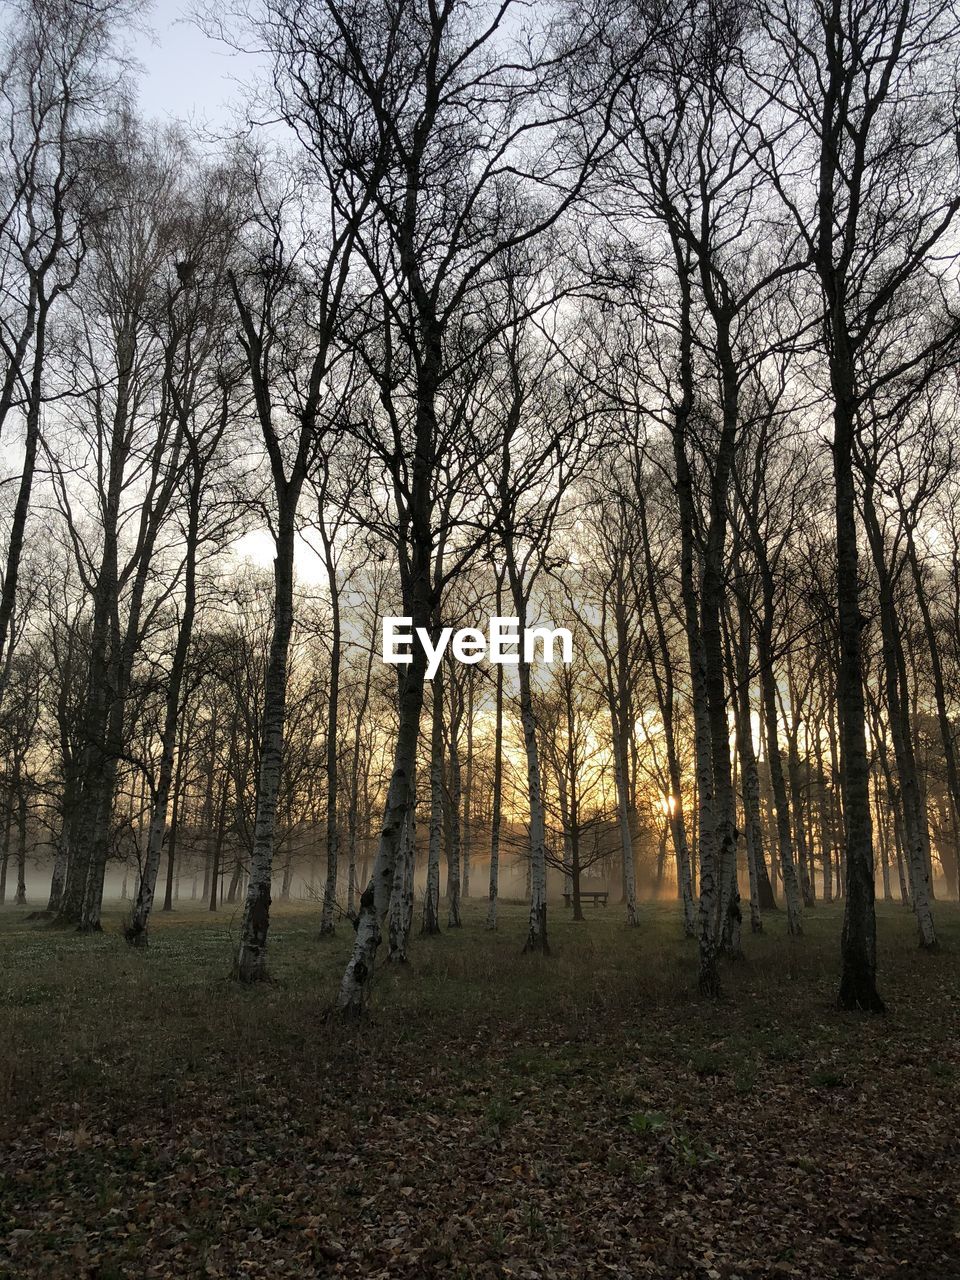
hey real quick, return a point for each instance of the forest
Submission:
(636, 327)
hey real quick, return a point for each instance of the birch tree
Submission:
(469, 174)
(866, 89)
(57, 78)
(118, 462)
(615, 636)
(543, 437)
(290, 305)
(687, 158)
(198, 383)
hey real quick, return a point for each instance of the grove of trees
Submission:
(640, 319)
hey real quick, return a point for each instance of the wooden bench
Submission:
(599, 897)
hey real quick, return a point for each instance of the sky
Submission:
(186, 74)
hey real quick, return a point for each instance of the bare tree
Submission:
(198, 384)
(866, 89)
(57, 76)
(281, 297)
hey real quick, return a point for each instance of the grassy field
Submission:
(495, 1114)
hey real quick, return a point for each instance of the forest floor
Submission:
(495, 1115)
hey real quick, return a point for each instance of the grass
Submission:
(495, 1114)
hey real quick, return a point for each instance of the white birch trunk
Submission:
(250, 962)
(537, 924)
(136, 932)
(754, 844)
(491, 922)
(59, 874)
(401, 896)
(788, 871)
(563, 800)
(431, 899)
(453, 858)
(681, 845)
(467, 844)
(623, 814)
(375, 901)
(333, 710)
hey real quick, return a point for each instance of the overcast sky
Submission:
(186, 75)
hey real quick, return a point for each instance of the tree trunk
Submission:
(250, 961)
(804, 853)
(914, 812)
(884, 840)
(823, 825)
(18, 524)
(216, 852)
(665, 697)
(943, 717)
(858, 944)
(771, 722)
(136, 931)
(617, 702)
(59, 874)
(21, 898)
(572, 818)
(751, 807)
(401, 897)
(749, 774)
(431, 899)
(497, 799)
(468, 789)
(454, 846)
(536, 939)
(564, 803)
(418, 605)
(5, 850)
(375, 900)
(333, 703)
